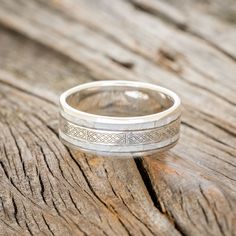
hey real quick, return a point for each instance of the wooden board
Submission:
(49, 46)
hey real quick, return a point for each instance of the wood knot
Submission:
(126, 64)
(169, 59)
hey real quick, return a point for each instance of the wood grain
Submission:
(49, 189)
(56, 191)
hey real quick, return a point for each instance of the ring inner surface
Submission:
(120, 101)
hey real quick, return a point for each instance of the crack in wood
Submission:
(148, 183)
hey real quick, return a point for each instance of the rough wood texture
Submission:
(49, 46)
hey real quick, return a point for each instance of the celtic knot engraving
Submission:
(154, 135)
(75, 131)
(138, 137)
(112, 138)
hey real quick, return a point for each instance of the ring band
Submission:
(119, 118)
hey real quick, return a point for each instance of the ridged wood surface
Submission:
(47, 47)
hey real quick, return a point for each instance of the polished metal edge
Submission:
(115, 151)
(121, 123)
(120, 138)
(126, 125)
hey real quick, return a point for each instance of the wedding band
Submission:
(119, 118)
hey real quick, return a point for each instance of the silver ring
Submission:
(119, 118)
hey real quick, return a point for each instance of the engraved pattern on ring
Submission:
(106, 138)
(154, 135)
(138, 137)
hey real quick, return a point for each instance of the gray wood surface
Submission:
(49, 46)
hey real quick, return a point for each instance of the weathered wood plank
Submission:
(55, 191)
(212, 21)
(196, 180)
(75, 194)
(79, 42)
